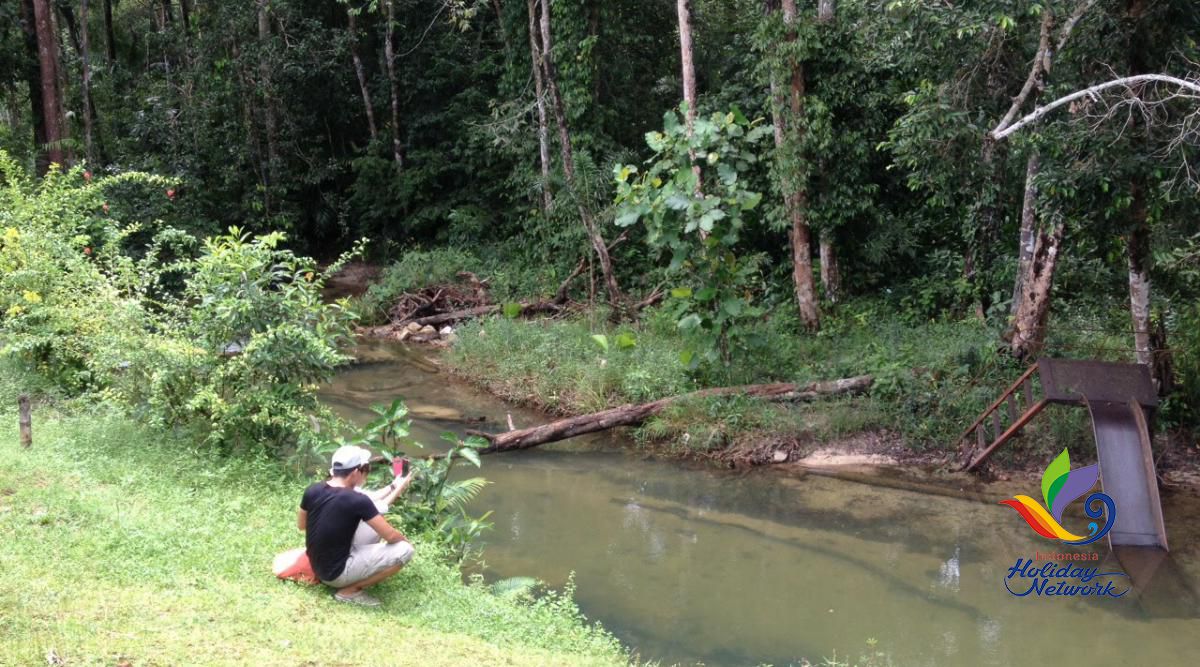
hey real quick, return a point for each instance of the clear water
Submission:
(693, 565)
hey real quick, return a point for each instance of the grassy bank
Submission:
(123, 546)
(931, 380)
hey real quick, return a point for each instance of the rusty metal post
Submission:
(26, 422)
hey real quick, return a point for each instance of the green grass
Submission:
(121, 544)
(932, 378)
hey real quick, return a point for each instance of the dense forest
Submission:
(748, 160)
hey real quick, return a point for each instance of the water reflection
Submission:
(691, 564)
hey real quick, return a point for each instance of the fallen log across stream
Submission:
(631, 415)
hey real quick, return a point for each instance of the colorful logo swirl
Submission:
(1061, 486)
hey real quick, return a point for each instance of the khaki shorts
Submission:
(371, 559)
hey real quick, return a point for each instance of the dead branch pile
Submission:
(468, 293)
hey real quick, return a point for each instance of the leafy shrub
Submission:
(94, 311)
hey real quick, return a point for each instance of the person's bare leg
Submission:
(369, 581)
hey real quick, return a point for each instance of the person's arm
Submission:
(302, 520)
(385, 530)
(398, 486)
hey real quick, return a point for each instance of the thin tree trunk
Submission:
(826, 10)
(264, 71)
(831, 276)
(361, 73)
(540, 90)
(568, 162)
(86, 80)
(33, 79)
(185, 14)
(48, 63)
(1028, 223)
(796, 194)
(1138, 255)
(110, 40)
(166, 12)
(390, 55)
(1028, 333)
(688, 67)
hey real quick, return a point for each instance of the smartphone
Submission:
(400, 465)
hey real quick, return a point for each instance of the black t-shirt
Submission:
(333, 516)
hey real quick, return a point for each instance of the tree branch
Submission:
(1091, 92)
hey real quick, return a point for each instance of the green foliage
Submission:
(434, 505)
(232, 342)
(697, 215)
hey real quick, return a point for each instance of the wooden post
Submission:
(26, 423)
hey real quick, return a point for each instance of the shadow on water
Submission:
(689, 564)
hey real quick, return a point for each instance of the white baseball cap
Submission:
(349, 457)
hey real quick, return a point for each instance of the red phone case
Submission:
(398, 466)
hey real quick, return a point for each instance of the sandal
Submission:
(360, 598)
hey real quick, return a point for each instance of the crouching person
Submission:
(350, 544)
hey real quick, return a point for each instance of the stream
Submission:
(689, 564)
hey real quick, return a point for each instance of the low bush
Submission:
(228, 337)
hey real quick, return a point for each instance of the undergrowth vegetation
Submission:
(932, 378)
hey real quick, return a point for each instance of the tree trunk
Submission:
(1028, 222)
(185, 14)
(629, 415)
(688, 67)
(826, 10)
(86, 80)
(166, 12)
(33, 79)
(831, 275)
(360, 72)
(268, 111)
(48, 63)
(110, 39)
(390, 55)
(539, 83)
(796, 194)
(568, 162)
(1138, 255)
(1028, 333)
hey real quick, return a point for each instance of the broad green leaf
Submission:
(601, 340)
(511, 310)
(686, 357)
(733, 306)
(470, 455)
(628, 217)
(625, 341)
(706, 293)
(689, 322)
(681, 293)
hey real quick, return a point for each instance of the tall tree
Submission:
(390, 55)
(110, 40)
(788, 116)
(270, 123)
(48, 62)
(33, 79)
(539, 87)
(359, 71)
(85, 64)
(568, 162)
(831, 275)
(687, 65)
